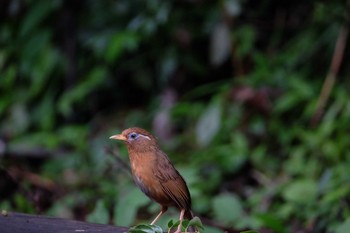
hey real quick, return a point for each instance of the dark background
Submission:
(250, 100)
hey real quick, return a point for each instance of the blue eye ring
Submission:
(133, 136)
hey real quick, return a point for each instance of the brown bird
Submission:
(154, 174)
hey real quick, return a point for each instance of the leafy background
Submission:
(249, 99)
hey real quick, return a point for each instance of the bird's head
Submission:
(137, 139)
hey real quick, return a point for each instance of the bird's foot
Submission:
(178, 230)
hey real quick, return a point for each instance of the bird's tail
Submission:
(188, 214)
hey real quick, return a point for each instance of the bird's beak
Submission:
(118, 137)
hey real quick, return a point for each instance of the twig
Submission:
(35, 179)
(332, 74)
(115, 154)
(23, 152)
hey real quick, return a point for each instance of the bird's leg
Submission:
(162, 211)
(181, 218)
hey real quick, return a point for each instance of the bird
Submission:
(154, 173)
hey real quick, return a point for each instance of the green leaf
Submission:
(99, 214)
(227, 208)
(36, 14)
(209, 124)
(32, 55)
(80, 92)
(120, 42)
(43, 115)
(145, 228)
(185, 223)
(245, 37)
(127, 205)
(9, 76)
(196, 222)
(176, 224)
(343, 227)
(170, 223)
(23, 204)
(301, 191)
(209, 229)
(336, 194)
(272, 222)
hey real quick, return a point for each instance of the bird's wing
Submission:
(172, 182)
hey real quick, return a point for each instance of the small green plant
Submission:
(145, 228)
(186, 224)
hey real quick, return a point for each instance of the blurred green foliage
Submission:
(246, 78)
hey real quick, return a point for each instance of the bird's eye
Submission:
(133, 136)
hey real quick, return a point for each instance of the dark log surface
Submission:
(26, 223)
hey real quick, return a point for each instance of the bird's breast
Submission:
(144, 188)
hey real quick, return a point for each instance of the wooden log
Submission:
(26, 223)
